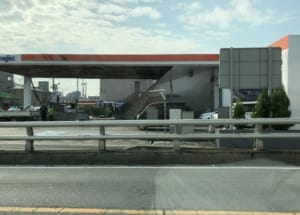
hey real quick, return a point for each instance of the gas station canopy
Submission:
(100, 66)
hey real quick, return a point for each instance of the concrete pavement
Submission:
(260, 185)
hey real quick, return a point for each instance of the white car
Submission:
(36, 108)
(209, 115)
(14, 108)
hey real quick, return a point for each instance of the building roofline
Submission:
(282, 43)
(120, 57)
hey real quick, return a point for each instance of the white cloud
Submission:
(225, 17)
(23, 4)
(187, 7)
(162, 25)
(218, 35)
(124, 1)
(134, 1)
(86, 27)
(12, 17)
(115, 18)
(247, 13)
(150, 1)
(110, 8)
(145, 11)
(146, 41)
(6, 6)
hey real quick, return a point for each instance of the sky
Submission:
(141, 27)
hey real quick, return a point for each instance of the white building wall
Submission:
(196, 84)
(284, 69)
(120, 89)
(293, 79)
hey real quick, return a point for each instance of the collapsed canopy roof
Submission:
(100, 66)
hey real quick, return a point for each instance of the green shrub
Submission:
(263, 107)
(239, 112)
(275, 106)
(280, 107)
(99, 112)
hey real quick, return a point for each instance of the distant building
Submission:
(86, 104)
(44, 85)
(6, 82)
(96, 98)
(38, 96)
(72, 96)
(290, 46)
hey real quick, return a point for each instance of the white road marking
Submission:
(159, 167)
(33, 210)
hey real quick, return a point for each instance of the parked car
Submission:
(36, 108)
(69, 109)
(209, 115)
(14, 108)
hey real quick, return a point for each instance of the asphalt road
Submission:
(254, 185)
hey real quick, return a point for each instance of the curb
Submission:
(145, 157)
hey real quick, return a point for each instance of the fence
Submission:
(177, 137)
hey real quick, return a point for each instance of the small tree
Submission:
(263, 107)
(239, 111)
(275, 106)
(280, 107)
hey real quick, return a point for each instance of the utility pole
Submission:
(77, 97)
(84, 89)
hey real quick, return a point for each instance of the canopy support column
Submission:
(27, 92)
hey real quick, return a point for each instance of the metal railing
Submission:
(177, 137)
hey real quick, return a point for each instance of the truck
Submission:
(19, 115)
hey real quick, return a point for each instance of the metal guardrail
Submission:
(257, 136)
(215, 122)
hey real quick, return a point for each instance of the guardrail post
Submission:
(211, 129)
(258, 143)
(217, 131)
(176, 146)
(101, 144)
(29, 143)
